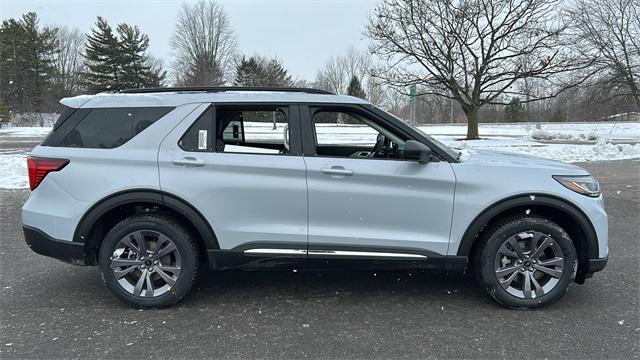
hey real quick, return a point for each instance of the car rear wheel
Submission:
(526, 262)
(149, 260)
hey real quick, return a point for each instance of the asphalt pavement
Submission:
(50, 310)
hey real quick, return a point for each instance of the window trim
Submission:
(311, 141)
(211, 137)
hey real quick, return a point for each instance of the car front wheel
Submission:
(526, 262)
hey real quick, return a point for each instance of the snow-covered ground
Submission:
(569, 142)
(13, 170)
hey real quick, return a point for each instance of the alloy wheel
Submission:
(529, 265)
(146, 263)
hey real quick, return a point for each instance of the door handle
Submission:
(188, 161)
(336, 171)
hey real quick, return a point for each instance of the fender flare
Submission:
(129, 197)
(562, 205)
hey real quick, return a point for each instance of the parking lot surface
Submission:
(49, 309)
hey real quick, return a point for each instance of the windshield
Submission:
(453, 153)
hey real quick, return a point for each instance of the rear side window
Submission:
(104, 128)
(199, 137)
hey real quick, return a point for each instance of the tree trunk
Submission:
(472, 123)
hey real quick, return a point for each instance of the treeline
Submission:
(470, 61)
(40, 65)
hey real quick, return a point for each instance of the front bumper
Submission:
(43, 244)
(596, 265)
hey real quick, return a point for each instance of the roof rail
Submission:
(216, 89)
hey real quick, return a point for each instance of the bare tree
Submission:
(157, 67)
(68, 61)
(471, 51)
(204, 45)
(339, 70)
(608, 33)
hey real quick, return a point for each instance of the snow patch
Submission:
(600, 151)
(14, 171)
(539, 134)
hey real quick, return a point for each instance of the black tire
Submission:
(488, 263)
(185, 251)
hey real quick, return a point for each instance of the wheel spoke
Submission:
(507, 282)
(165, 251)
(538, 289)
(552, 272)
(500, 273)
(142, 245)
(540, 249)
(506, 251)
(119, 274)
(175, 270)
(137, 291)
(125, 262)
(558, 261)
(526, 288)
(128, 243)
(149, 292)
(161, 241)
(165, 277)
(516, 247)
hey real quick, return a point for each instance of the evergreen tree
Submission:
(249, 72)
(136, 72)
(355, 89)
(276, 75)
(26, 64)
(258, 71)
(102, 59)
(119, 61)
(515, 111)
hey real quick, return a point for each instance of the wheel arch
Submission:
(561, 211)
(97, 221)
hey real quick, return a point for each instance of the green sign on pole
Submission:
(412, 94)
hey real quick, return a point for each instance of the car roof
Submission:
(177, 98)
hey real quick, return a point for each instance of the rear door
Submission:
(232, 164)
(364, 199)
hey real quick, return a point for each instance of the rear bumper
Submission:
(43, 244)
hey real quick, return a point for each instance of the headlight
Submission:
(582, 184)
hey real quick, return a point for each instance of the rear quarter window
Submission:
(104, 128)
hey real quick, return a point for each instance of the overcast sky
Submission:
(302, 33)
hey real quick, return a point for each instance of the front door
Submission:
(364, 199)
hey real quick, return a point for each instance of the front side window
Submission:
(351, 134)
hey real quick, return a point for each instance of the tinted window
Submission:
(200, 135)
(66, 112)
(108, 128)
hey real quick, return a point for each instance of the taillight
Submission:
(40, 167)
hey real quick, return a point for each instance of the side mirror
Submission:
(417, 151)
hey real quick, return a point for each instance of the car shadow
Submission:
(317, 286)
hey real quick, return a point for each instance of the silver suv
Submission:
(151, 185)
